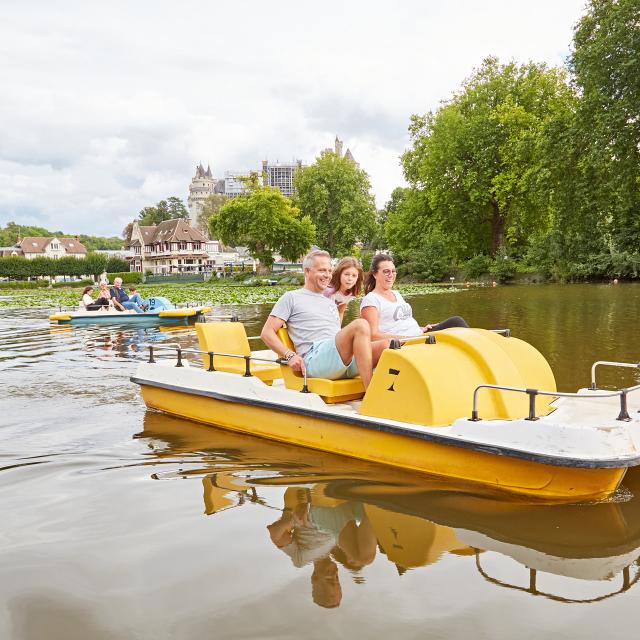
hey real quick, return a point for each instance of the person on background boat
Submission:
(87, 302)
(322, 349)
(119, 294)
(386, 311)
(134, 296)
(105, 300)
(346, 283)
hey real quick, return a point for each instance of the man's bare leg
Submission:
(355, 341)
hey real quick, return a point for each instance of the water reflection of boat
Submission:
(515, 435)
(415, 520)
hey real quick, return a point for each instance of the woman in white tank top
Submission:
(386, 311)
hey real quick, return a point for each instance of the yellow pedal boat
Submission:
(469, 404)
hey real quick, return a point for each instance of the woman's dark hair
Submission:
(87, 289)
(346, 263)
(370, 282)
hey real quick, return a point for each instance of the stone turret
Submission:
(202, 186)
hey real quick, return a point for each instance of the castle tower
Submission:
(338, 147)
(201, 187)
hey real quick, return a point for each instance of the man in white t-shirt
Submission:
(322, 349)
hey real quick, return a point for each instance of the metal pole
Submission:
(624, 413)
(305, 388)
(532, 404)
(247, 366)
(151, 359)
(211, 367)
(179, 363)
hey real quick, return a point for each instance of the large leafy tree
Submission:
(477, 158)
(606, 62)
(336, 194)
(265, 222)
(169, 209)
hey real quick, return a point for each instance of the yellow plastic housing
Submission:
(433, 384)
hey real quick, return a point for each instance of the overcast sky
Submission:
(107, 107)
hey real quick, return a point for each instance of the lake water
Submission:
(122, 523)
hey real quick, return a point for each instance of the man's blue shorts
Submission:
(323, 361)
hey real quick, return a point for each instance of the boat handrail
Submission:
(627, 583)
(608, 363)
(532, 393)
(154, 348)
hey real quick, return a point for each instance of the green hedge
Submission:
(24, 284)
(128, 277)
(93, 265)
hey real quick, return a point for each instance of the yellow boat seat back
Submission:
(331, 391)
(231, 337)
(433, 384)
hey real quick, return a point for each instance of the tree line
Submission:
(531, 168)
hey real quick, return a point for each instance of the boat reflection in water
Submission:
(338, 512)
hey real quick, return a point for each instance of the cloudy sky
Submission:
(107, 107)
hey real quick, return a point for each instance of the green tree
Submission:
(210, 207)
(95, 264)
(176, 209)
(169, 209)
(10, 234)
(265, 222)
(414, 235)
(93, 243)
(477, 157)
(336, 194)
(116, 265)
(127, 231)
(605, 61)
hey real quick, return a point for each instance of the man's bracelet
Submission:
(289, 355)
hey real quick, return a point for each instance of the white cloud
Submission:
(107, 107)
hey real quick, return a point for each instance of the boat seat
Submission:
(331, 391)
(231, 337)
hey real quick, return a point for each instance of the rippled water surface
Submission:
(123, 523)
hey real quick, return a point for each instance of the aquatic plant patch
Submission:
(180, 294)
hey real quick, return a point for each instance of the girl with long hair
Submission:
(386, 311)
(346, 283)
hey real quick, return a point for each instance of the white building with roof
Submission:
(51, 247)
